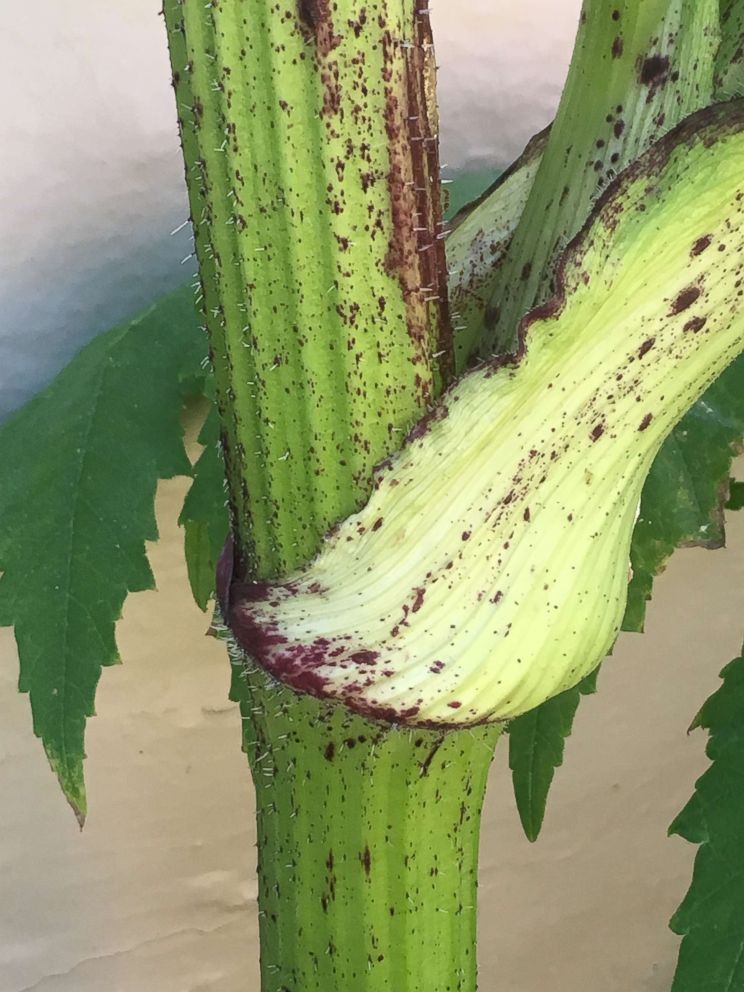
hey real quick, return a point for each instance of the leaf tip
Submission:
(72, 782)
(80, 814)
(531, 830)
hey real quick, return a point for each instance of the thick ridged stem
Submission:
(368, 850)
(310, 140)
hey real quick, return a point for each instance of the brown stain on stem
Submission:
(316, 22)
(416, 251)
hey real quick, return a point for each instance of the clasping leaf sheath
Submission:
(489, 569)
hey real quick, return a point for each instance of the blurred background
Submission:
(158, 893)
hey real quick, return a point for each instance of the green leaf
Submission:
(536, 744)
(204, 516)
(80, 465)
(711, 917)
(684, 495)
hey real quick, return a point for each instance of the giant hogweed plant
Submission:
(443, 462)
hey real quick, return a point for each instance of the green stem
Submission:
(310, 139)
(638, 68)
(368, 850)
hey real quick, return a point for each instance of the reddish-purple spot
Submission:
(364, 657)
(367, 861)
(685, 299)
(377, 524)
(418, 601)
(617, 47)
(403, 715)
(466, 535)
(645, 422)
(597, 432)
(308, 682)
(436, 667)
(225, 570)
(420, 429)
(454, 705)
(497, 597)
(646, 347)
(700, 245)
(654, 70)
(695, 324)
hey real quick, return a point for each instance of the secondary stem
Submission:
(639, 67)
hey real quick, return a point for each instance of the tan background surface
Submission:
(158, 893)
